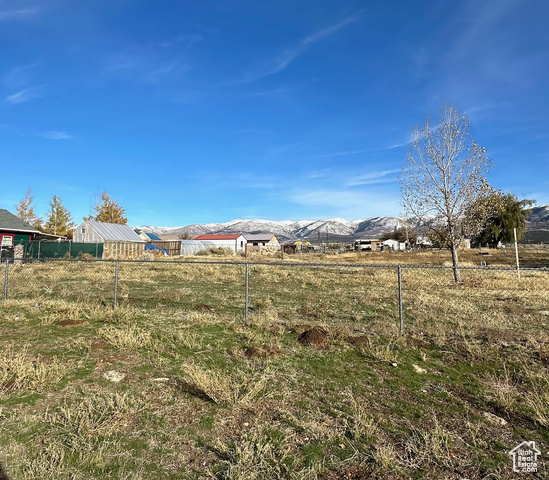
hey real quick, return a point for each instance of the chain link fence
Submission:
(405, 297)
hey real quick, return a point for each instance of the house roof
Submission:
(153, 236)
(218, 237)
(148, 235)
(258, 237)
(8, 221)
(114, 231)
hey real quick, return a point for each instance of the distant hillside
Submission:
(331, 230)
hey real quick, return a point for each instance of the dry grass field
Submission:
(317, 383)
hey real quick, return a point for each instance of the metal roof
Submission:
(218, 237)
(114, 231)
(258, 237)
(8, 221)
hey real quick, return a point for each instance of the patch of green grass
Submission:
(194, 404)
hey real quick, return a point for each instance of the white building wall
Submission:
(86, 234)
(237, 245)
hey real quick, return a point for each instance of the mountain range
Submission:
(331, 230)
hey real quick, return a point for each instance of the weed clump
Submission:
(19, 371)
(225, 389)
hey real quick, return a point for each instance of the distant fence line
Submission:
(310, 291)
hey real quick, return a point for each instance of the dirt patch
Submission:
(315, 336)
(71, 323)
(360, 340)
(256, 352)
(100, 344)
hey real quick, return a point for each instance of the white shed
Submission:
(394, 244)
(236, 242)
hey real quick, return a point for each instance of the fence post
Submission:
(247, 290)
(6, 279)
(115, 284)
(516, 254)
(39, 245)
(400, 317)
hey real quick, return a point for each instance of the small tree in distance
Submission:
(109, 211)
(25, 210)
(442, 178)
(58, 219)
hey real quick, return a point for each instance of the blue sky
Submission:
(195, 112)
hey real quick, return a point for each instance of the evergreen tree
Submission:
(108, 211)
(58, 219)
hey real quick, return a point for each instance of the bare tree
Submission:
(25, 210)
(442, 178)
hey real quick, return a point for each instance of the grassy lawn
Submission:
(176, 384)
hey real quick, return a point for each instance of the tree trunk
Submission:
(455, 263)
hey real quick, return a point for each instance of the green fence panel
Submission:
(63, 250)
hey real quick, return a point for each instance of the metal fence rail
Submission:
(405, 296)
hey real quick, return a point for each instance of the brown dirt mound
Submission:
(71, 323)
(255, 352)
(314, 336)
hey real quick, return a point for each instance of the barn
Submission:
(260, 242)
(236, 242)
(119, 241)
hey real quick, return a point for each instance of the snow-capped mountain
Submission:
(539, 214)
(333, 229)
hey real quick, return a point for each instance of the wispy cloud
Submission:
(348, 204)
(285, 58)
(25, 95)
(370, 178)
(146, 66)
(18, 77)
(185, 40)
(56, 135)
(343, 153)
(19, 13)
